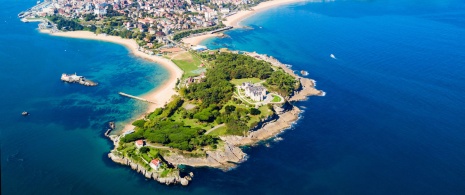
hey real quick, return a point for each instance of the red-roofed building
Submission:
(155, 164)
(139, 143)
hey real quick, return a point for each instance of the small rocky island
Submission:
(74, 78)
(240, 100)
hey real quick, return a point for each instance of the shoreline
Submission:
(231, 154)
(198, 39)
(161, 94)
(235, 19)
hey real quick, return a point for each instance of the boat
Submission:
(112, 125)
(332, 56)
(303, 72)
(25, 113)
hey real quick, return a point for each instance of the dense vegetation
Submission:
(64, 24)
(183, 34)
(282, 82)
(173, 134)
(177, 127)
(217, 89)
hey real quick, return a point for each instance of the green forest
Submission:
(177, 127)
(64, 24)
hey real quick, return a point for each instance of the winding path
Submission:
(214, 128)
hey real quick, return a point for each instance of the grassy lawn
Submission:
(240, 81)
(265, 111)
(128, 148)
(146, 157)
(188, 63)
(219, 131)
(192, 122)
(276, 98)
(231, 102)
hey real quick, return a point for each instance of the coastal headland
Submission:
(222, 153)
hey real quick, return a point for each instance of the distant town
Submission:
(152, 23)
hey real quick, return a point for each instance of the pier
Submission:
(221, 29)
(135, 97)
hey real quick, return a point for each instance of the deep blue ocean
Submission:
(392, 121)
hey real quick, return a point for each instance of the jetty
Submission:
(221, 29)
(135, 97)
(74, 78)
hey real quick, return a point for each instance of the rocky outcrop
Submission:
(270, 129)
(307, 88)
(221, 158)
(173, 178)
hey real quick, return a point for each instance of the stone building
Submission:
(255, 92)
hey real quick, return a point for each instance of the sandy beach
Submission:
(160, 95)
(198, 39)
(235, 19)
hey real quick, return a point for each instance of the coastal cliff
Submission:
(268, 130)
(173, 178)
(226, 157)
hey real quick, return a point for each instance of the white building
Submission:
(70, 77)
(139, 143)
(100, 10)
(155, 164)
(255, 92)
(224, 10)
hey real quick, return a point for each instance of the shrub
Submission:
(144, 149)
(139, 123)
(254, 111)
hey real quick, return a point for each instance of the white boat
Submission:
(332, 56)
(303, 72)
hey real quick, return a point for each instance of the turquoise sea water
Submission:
(392, 121)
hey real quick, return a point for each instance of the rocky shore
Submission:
(226, 157)
(173, 178)
(270, 129)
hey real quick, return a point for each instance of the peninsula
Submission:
(214, 101)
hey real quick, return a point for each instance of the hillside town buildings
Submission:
(152, 16)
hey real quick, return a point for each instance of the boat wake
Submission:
(333, 56)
